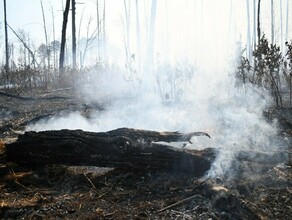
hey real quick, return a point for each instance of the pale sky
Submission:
(200, 29)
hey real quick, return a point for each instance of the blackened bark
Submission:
(6, 40)
(259, 22)
(124, 148)
(63, 38)
(73, 35)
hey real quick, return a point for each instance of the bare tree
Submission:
(167, 28)
(55, 47)
(281, 26)
(25, 45)
(127, 34)
(230, 20)
(151, 32)
(259, 22)
(46, 35)
(287, 20)
(63, 38)
(23, 50)
(54, 36)
(6, 40)
(254, 24)
(138, 35)
(79, 34)
(104, 33)
(98, 28)
(73, 34)
(89, 40)
(248, 43)
(100, 17)
(272, 22)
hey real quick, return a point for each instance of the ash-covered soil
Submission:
(64, 192)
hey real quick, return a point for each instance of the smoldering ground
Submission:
(207, 102)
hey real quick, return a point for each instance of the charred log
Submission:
(118, 148)
(26, 98)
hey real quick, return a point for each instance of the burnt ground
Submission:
(63, 192)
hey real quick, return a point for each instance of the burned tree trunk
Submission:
(118, 148)
(6, 39)
(63, 38)
(259, 22)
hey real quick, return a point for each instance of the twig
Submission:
(17, 182)
(16, 132)
(110, 214)
(89, 180)
(25, 45)
(106, 192)
(178, 203)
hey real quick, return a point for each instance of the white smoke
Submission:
(209, 102)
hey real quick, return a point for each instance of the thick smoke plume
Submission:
(179, 99)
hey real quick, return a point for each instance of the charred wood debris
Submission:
(128, 173)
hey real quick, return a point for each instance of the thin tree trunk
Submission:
(259, 22)
(127, 34)
(6, 40)
(63, 38)
(79, 34)
(167, 32)
(28, 57)
(98, 29)
(248, 43)
(24, 51)
(104, 34)
(281, 24)
(46, 34)
(11, 54)
(89, 40)
(287, 21)
(54, 37)
(25, 45)
(276, 90)
(230, 24)
(286, 39)
(151, 33)
(290, 91)
(73, 34)
(138, 36)
(272, 22)
(254, 24)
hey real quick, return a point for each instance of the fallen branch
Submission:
(25, 45)
(178, 203)
(26, 98)
(89, 180)
(16, 96)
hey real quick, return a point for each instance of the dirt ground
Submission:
(64, 192)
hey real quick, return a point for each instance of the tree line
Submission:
(260, 62)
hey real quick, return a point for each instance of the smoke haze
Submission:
(207, 102)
